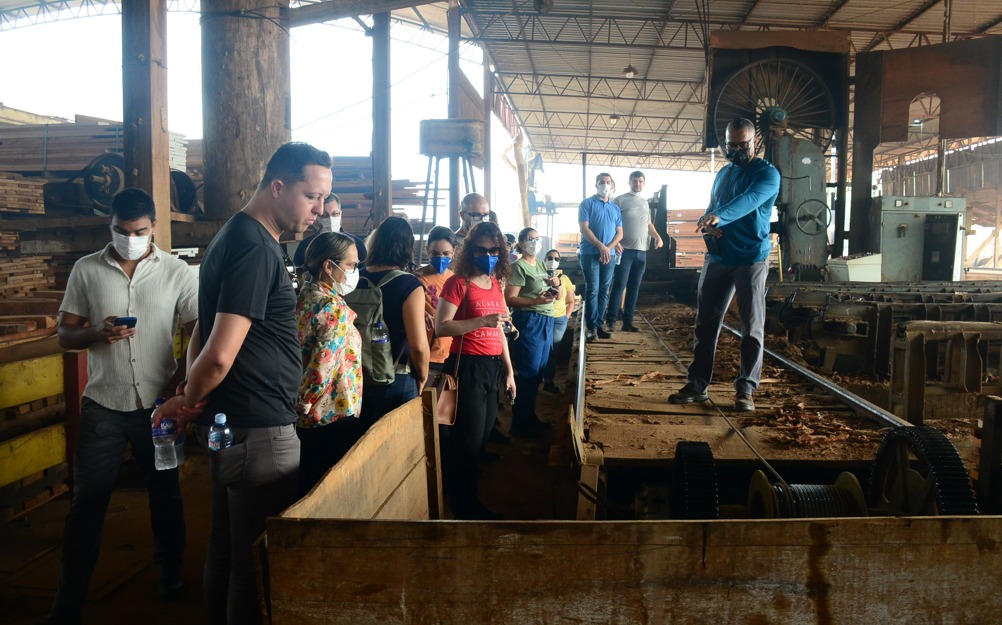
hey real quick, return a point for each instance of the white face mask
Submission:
(604, 189)
(330, 223)
(349, 284)
(130, 248)
(532, 247)
(551, 264)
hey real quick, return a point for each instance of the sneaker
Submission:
(590, 337)
(602, 334)
(687, 395)
(629, 327)
(743, 403)
(610, 326)
(550, 387)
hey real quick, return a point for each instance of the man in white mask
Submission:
(330, 221)
(601, 224)
(122, 304)
(638, 232)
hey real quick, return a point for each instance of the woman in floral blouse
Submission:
(330, 395)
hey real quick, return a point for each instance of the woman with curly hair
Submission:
(472, 308)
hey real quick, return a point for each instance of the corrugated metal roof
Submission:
(562, 71)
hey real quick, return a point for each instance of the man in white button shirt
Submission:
(128, 369)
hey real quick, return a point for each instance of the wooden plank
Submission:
(31, 453)
(27, 380)
(849, 571)
(360, 485)
(432, 452)
(589, 480)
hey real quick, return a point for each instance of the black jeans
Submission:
(323, 447)
(104, 435)
(476, 409)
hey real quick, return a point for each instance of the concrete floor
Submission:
(521, 485)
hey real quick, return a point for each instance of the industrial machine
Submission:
(796, 96)
(919, 238)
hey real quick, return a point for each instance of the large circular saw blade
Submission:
(774, 93)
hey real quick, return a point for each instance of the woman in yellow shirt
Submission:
(562, 309)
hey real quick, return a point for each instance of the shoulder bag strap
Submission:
(459, 351)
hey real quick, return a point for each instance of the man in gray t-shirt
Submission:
(637, 234)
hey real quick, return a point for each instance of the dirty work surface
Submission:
(630, 376)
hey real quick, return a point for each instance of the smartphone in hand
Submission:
(128, 322)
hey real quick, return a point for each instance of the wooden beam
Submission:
(488, 113)
(144, 75)
(382, 142)
(246, 98)
(339, 9)
(455, 92)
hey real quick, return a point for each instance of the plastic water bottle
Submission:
(220, 436)
(179, 448)
(379, 334)
(164, 457)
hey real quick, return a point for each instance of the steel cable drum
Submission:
(778, 93)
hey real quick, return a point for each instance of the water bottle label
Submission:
(214, 444)
(166, 428)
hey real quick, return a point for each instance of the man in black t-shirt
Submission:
(245, 361)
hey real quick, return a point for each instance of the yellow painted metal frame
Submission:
(27, 380)
(31, 453)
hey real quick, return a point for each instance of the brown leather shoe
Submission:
(743, 403)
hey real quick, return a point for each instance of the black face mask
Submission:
(739, 157)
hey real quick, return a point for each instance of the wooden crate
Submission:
(366, 526)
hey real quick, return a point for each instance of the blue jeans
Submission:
(598, 279)
(717, 284)
(559, 327)
(528, 356)
(378, 400)
(104, 436)
(629, 272)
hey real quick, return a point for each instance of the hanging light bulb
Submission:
(629, 71)
(613, 118)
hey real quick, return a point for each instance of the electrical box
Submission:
(919, 238)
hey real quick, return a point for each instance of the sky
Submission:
(82, 75)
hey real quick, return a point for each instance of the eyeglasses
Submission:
(738, 146)
(532, 240)
(347, 267)
(553, 258)
(477, 216)
(483, 251)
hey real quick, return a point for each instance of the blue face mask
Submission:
(486, 263)
(440, 263)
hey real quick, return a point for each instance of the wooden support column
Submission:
(144, 77)
(455, 92)
(245, 97)
(382, 182)
(488, 112)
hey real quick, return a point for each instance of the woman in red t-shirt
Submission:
(472, 306)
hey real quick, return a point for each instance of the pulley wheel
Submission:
(805, 501)
(813, 217)
(103, 178)
(778, 93)
(918, 472)
(694, 482)
(183, 194)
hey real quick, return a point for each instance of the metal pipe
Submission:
(852, 399)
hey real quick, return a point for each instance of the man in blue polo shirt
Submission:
(601, 225)
(737, 221)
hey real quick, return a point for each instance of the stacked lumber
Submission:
(10, 242)
(25, 274)
(29, 493)
(19, 194)
(62, 150)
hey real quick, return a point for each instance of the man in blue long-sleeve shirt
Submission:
(737, 227)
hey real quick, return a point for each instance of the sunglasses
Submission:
(552, 258)
(738, 146)
(483, 251)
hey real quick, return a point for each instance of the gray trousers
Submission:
(104, 436)
(257, 477)
(717, 285)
